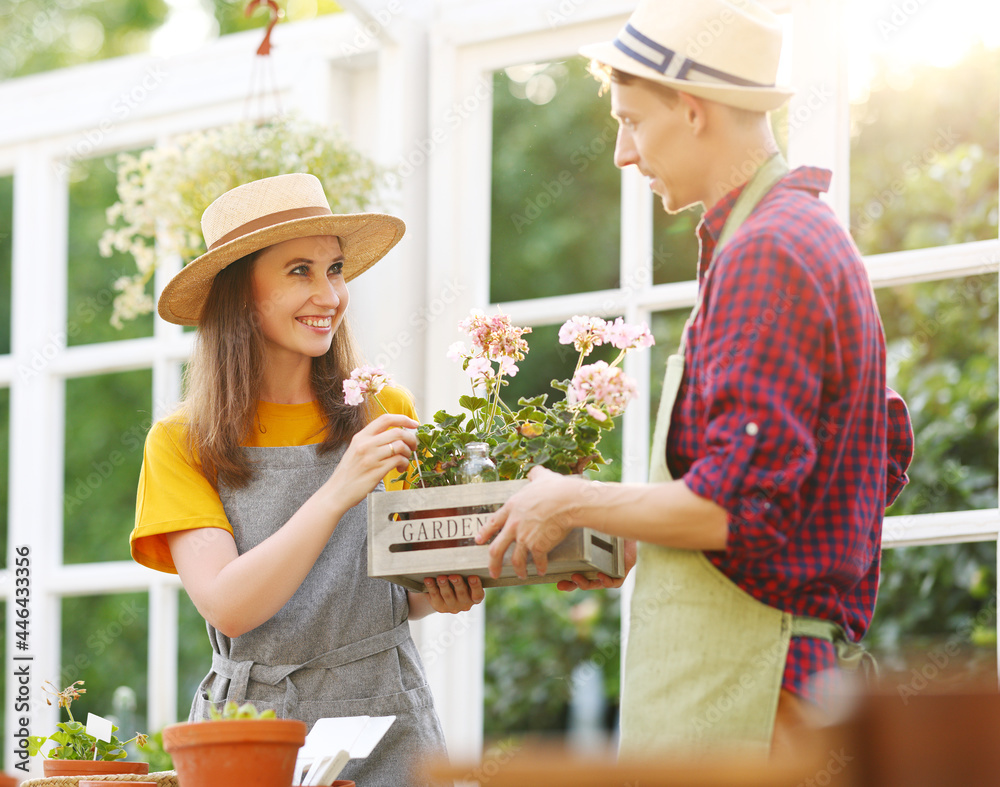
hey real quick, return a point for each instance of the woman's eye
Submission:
(300, 270)
(336, 269)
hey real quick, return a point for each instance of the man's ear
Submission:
(694, 111)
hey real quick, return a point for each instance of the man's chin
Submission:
(672, 206)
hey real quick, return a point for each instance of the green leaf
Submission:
(472, 403)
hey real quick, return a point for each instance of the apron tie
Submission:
(851, 656)
(240, 673)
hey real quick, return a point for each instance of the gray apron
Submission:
(341, 645)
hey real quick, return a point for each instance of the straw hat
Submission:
(723, 51)
(269, 211)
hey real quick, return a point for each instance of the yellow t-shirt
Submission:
(173, 494)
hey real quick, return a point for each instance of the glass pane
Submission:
(936, 617)
(6, 249)
(6, 759)
(107, 418)
(105, 644)
(90, 276)
(925, 88)
(554, 181)
(195, 656)
(552, 662)
(942, 357)
(4, 467)
(675, 244)
(666, 328)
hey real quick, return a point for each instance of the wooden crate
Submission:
(418, 533)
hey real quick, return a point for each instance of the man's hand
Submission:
(534, 519)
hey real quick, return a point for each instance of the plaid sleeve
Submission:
(764, 336)
(899, 438)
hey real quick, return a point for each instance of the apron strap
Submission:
(851, 656)
(240, 673)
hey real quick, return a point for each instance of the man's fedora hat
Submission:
(259, 214)
(723, 51)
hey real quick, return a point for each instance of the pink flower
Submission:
(364, 381)
(584, 333)
(598, 414)
(352, 393)
(625, 336)
(479, 369)
(457, 351)
(494, 337)
(606, 387)
(507, 366)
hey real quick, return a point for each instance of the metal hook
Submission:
(265, 45)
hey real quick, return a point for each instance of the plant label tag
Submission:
(370, 735)
(99, 727)
(357, 735)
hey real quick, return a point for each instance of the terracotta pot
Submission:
(92, 767)
(235, 752)
(6, 780)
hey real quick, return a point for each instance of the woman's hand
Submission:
(448, 593)
(386, 443)
(580, 582)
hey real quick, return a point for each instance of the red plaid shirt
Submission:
(783, 417)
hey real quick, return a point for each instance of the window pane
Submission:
(924, 152)
(90, 276)
(936, 616)
(666, 328)
(6, 249)
(4, 467)
(942, 357)
(105, 644)
(107, 418)
(556, 192)
(6, 759)
(675, 244)
(195, 656)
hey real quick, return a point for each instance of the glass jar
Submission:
(477, 467)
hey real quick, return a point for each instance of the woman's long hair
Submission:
(224, 375)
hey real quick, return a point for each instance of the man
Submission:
(777, 445)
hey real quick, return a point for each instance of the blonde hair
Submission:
(223, 379)
(606, 74)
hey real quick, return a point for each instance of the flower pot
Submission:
(92, 767)
(235, 752)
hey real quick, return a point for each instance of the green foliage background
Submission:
(924, 172)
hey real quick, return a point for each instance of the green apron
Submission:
(705, 659)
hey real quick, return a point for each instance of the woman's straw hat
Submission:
(259, 214)
(723, 51)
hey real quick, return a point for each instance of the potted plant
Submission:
(428, 529)
(237, 747)
(162, 191)
(76, 752)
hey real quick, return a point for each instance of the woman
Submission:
(254, 490)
